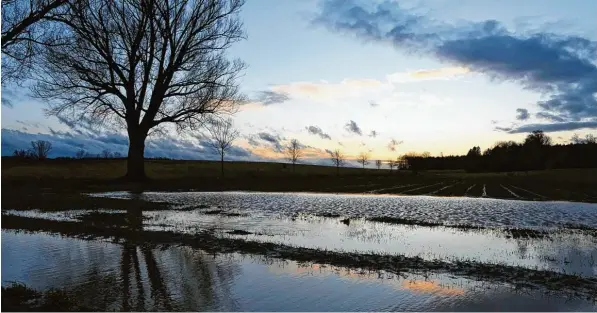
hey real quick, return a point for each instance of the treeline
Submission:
(536, 152)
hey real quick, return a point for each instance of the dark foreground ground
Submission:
(27, 183)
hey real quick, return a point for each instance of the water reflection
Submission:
(127, 276)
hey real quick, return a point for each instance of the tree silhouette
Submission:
(294, 152)
(338, 159)
(26, 27)
(378, 164)
(222, 135)
(391, 164)
(40, 149)
(363, 158)
(143, 64)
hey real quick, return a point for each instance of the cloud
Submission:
(314, 130)
(549, 127)
(549, 117)
(66, 144)
(373, 134)
(522, 114)
(562, 68)
(267, 97)
(274, 140)
(352, 127)
(325, 91)
(393, 144)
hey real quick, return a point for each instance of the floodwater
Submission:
(449, 210)
(108, 276)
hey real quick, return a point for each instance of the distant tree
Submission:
(363, 158)
(80, 154)
(378, 164)
(590, 139)
(21, 153)
(222, 135)
(25, 29)
(106, 154)
(338, 159)
(117, 155)
(537, 138)
(474, 152)
(391, 164)
(425, 154)
(40, 149)
(294, 152)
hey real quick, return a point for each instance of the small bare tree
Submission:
(294, 152)
(143, 65)
(80, 154)
(117, 155)
(40, 149)
(222, 134)
(378, 164)
(338, 159)
(106, 154)
(363, 158)
(391, 164)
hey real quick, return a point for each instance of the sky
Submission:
(382, 77)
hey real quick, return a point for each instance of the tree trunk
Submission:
(135, 165)
(222, 163)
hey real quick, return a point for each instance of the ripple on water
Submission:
(474, 211)
(122, 277)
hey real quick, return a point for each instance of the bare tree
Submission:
(294, 152)
(391, 164)
(21, 154)
(25, 27)
(40, 149)
(222, 135)
(117, 155)
(338, 159)
(106, 154)
(363, 158)
(143, 64)
(378, 164)
(80, 154)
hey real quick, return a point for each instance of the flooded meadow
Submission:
(307, 251)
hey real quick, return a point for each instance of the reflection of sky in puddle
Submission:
(567, 252)
(116, 277)
(454, 210)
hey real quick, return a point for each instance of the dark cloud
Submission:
(549, 127)
(67, 144)
(268, 97)
(314, 130)
(549, 117)
(522, 114)
(373, 134)
(274, 140)
(393, 144)
(562, 68)
(352, 127)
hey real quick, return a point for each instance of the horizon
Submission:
(383, 78)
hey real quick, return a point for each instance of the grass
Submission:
(27, 180)
(18, 297)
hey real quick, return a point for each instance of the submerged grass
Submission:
(18, 297)
(210, 242)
